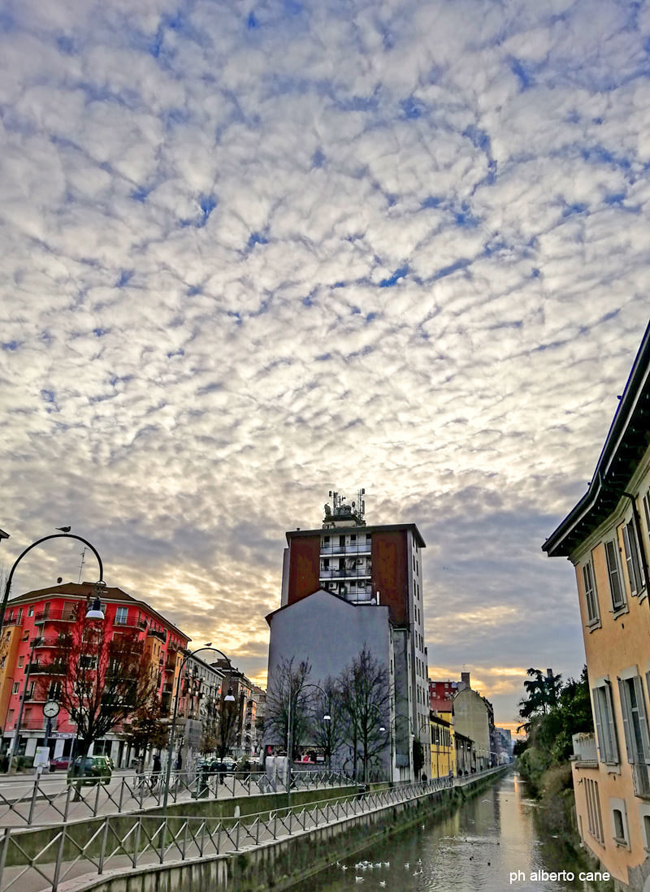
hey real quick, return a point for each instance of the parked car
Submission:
(97, 770)
(60, 762)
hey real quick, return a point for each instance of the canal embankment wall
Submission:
(276, 865)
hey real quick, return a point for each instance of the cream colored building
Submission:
(607, 539)
(474, 718)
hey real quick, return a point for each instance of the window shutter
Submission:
(635, 541)
(612, 724)
(613, 571)
(643, 721)
(627, 720)
(598, 718)
(631, 575)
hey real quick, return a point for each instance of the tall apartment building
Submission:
(348, 584)
(606, 536)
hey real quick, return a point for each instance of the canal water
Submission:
(477, 849)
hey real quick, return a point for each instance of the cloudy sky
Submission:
(250, 252)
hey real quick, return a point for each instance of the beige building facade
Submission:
(607, 539)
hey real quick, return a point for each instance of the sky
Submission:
(254, 251)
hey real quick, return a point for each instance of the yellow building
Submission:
(443, 747)
(607, 539)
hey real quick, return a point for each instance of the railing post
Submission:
(102, 854)
(3, 851)
(59, 859)
(121, 797)
(238, 829)
(163, 835)
(33, 802)
(96, 806)
(136, 841)
(66, 807)
(185, 838)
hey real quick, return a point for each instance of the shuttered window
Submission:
(633, 558)
(591, 596)
(614, 574)
(605, 724)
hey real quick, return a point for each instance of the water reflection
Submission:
(474, 850)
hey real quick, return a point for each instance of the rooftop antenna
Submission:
(81, 565)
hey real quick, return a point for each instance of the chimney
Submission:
(464, 681)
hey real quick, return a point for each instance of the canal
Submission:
(491, 837)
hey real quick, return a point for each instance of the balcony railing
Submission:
(130, 622)
(359, 548)
(348, 573)
(14, 622)
(154, 633)
(584, 748)
(64, 615)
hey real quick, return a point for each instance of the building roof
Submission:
(370, 528)
(3, 535)
(84, 589)
(365, 605)
(627, 440)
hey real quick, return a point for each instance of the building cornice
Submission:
(625, 445)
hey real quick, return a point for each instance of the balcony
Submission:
(359, 548)
(33, 724)
(13, 622)
(64, 615)
(154, 633)
(347, 573)
(128, 623)
(585, 753)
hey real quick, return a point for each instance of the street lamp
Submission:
(28, 549)
(229, 698)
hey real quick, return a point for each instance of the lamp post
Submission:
(28, 549)
(229, 698)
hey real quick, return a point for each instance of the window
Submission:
(122, 616)
(605, 724)
(14, 690)
(21, 662)
(619, 822)
(87, 662)
(591, 596)
(30, 610)
(633, 558)
(20, 616)
(614, 574)
(635, 728)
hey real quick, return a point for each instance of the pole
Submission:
(14, 739)
(289, 746)
(172, 733)
(28, 549)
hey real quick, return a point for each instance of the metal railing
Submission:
(137, 841)
(26, 801)
(125, 845)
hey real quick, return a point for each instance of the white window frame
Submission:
(594, 813)
(614, 574)
(619, 805)
(640, 760)
(591, 594)
(121, 616)
(633, 559)
(605, 722)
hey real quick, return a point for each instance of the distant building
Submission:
(474, 718)
(32, 625)
(606, 538)
(346, 585)
(465, 755)
(443, 747)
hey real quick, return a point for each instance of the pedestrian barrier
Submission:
(130, 841)
(31, 801)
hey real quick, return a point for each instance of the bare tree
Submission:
(98, 679)
(328, 733)
(285, 700)
(365, 701)
(147, 728)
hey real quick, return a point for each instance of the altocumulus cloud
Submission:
(249, 252)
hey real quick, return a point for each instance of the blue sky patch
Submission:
(394, 279)
(11, 346)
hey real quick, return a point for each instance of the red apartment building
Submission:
(32, 624)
